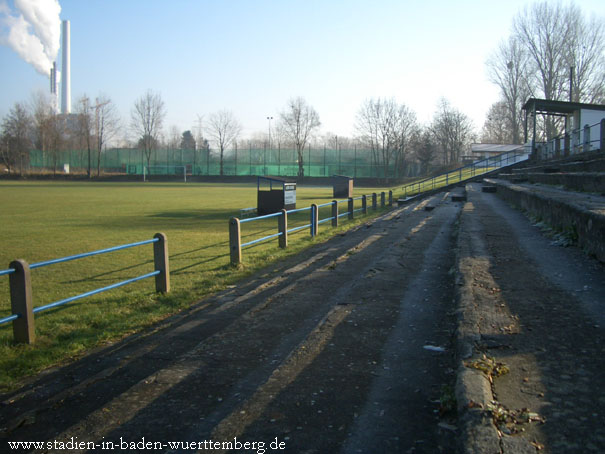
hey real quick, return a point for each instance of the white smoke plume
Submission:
(33, 30)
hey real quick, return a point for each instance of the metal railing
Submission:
(235, 236)
(588, 138)
(480, 167)
(21, 289)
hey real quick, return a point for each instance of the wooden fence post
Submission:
(282, 225)
(334, 213)
(235, 241)
(602, 144)
(20, 283)
(390, 198)
(374, 201)
(161, 263)
(382, 199)
(364, 204)
(314, 219)
(350, 206)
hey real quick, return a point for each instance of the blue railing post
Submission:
(235, 241)
(602, 144)
(282, 225)
(22, 302)
(334, 213)
(350, 207)
(160, 260)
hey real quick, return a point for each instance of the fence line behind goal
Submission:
(165, 170)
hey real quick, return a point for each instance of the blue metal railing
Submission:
(310, 225)
(579, 140)
(358, 209)
(8, 271)
(89, 254)
(10, 318)
(465, 172)
(13, 317)
(321, 221)
(94, 292)
(300, 227)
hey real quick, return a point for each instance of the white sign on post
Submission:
(289, 196)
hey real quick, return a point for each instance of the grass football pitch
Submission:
(46, 220)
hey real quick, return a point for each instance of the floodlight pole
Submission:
(269, 118)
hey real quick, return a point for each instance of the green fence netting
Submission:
(318, 162)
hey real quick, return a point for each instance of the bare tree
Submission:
(58, 138)
(106, 125)
(84, 114)
(587, 58)
(425, 150)
(16, 129)
(545, 29)
(41, 108)
(452, 131)
(223, 128)
(386, 127)
(507, 68)
(497, 126)
(299, 120)
(147, 117)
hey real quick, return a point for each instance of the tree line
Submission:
(553, 52)
(384, 128)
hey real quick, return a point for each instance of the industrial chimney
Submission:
(53, 87)
(65, 72)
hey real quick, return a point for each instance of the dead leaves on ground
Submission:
(511, 422)
(489, 366)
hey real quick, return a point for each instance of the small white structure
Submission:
(583, 125)
(488, 150)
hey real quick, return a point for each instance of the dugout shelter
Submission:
(275, 194)
(342, 186)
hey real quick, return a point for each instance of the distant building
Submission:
(487, 150)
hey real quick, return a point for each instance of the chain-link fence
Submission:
(317, 162)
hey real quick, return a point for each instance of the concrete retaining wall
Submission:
(560, 213)
(584, 181)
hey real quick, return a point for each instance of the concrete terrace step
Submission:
(578, 181)
(582, 214)
(594, 165)
(529, 313)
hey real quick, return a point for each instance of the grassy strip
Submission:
(47, 220)
(452, 177)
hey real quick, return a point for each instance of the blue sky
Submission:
(249, 57)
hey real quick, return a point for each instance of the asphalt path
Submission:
(347, 347)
